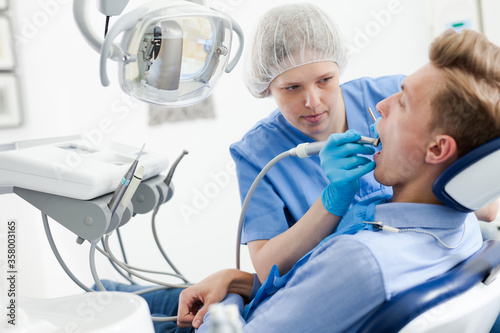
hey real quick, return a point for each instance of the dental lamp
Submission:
(171, 53)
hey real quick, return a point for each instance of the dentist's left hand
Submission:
(343, 167)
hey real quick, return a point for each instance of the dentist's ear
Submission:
(441, 150)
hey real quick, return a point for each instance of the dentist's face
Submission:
(404, 128)
(308, 97)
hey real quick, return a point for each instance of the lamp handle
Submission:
(236, 28)
(126, 22)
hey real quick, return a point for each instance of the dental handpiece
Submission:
(122, 187)
(370, 141)
(309, 149)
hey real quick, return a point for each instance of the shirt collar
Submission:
(403, 214)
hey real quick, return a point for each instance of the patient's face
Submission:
(404, 128)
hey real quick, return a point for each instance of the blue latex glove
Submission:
(342, 166)
(373, 127)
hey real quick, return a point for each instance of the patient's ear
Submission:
(442, 149)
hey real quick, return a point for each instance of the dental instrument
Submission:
(313, 148)
(72, 180)
(75, 167)
(309, 149)
(384, 227)
(367, 140)
(302, 150)
(122, 187)
(132, 187)
(168, 178)
(469, 184)
(105, 222)
(371, 114)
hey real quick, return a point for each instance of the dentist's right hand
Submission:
(343, 167)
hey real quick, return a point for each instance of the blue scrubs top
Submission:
(291, 186)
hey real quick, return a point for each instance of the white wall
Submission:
(62, 95)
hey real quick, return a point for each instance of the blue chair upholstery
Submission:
(395, 314)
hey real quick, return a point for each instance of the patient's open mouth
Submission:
(379, 145)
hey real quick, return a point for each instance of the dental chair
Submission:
(465, 299)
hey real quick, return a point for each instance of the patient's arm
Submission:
(195, 300)
(488, 213)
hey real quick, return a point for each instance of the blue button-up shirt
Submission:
(353, 271)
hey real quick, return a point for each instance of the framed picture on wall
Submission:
(4, 4)
(6, 45)
(10, 108)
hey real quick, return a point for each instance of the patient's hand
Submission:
(195, 300)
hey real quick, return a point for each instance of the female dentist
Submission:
(297, 58)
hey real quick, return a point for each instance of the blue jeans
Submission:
(162, 303)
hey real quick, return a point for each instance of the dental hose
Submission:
(167, 182)
(302, 150)
(249, 196)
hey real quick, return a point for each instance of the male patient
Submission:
(448, 107)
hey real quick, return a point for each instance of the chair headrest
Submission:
(473, 181)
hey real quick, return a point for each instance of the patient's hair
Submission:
(467, 104)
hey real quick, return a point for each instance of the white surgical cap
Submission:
(289, 36)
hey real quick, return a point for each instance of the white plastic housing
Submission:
(72, 167)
